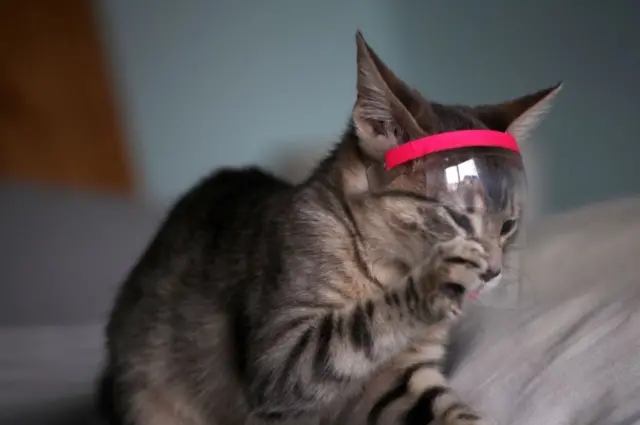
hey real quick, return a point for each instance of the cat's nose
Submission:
(491, 273)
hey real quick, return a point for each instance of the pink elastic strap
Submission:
(447, 141)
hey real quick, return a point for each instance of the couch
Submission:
(545, 360)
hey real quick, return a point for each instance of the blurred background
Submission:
(144, 97)
(110, 109)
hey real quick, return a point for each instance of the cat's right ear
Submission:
(381, 116)
(521, 115)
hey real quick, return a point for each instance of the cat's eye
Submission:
(461, 220)
(507, 227)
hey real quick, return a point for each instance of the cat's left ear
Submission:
(520, 116)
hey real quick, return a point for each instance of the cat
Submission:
(260, 301)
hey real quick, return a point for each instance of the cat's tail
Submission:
(106, 402)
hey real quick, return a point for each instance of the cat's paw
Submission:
(454, 269)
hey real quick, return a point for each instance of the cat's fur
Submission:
(259, 301)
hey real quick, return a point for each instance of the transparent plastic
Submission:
(488, 186)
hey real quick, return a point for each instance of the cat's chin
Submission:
(493, 283)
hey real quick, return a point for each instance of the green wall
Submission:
(204, 84)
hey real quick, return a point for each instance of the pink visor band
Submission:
(448, 141)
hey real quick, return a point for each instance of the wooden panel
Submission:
(57, 117)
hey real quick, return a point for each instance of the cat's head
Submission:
(393, 206)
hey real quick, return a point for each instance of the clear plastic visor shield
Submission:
(487, 182)
(487, 186)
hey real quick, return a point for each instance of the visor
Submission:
(479, 173)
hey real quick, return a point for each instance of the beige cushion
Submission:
(570, 353)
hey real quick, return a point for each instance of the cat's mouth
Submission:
(483, 286)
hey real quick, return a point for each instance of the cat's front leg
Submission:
(413, 390)
(455, 267)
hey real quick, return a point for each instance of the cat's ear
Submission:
(382, 113)
(520, 116)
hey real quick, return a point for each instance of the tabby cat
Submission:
(259, 301)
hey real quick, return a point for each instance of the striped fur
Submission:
(263, 302)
